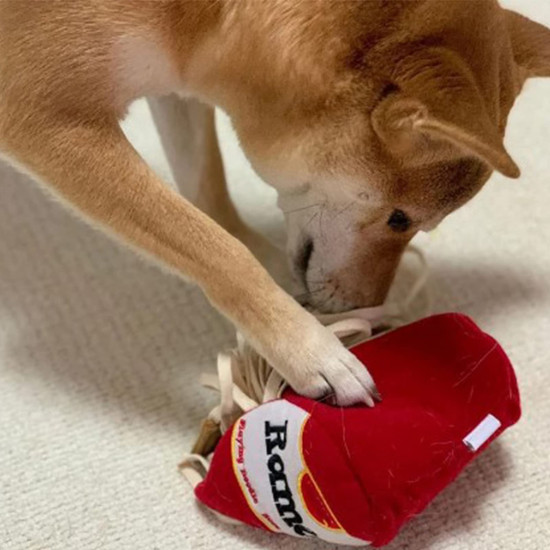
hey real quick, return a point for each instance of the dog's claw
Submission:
(369, 401)
(377, 395)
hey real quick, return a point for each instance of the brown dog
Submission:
(372, 119)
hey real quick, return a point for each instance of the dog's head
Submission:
(399, 122)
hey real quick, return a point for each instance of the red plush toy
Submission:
(356, 475)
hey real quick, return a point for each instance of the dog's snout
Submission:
(304, 257)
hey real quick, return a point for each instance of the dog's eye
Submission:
(399, 221)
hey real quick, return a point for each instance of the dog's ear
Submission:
(531, 44)
(435, 112)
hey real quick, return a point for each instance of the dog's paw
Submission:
(317, 365)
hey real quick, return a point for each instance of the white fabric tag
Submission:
(482, 432)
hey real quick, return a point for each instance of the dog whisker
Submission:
(345, 209)
(301, 208)
(311, 219)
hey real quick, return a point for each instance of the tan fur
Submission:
(382, 95)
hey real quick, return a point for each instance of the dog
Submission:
(372, 119)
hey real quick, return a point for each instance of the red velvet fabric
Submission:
(376, 468)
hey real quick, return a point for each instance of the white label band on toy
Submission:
(271, 469)
(482, 432)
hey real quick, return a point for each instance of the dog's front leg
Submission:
(91, 165)
(187, 130)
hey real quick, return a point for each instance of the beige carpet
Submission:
(100, 355)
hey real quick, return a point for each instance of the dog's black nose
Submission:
(303, 258)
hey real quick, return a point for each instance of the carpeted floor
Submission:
(100, 355)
